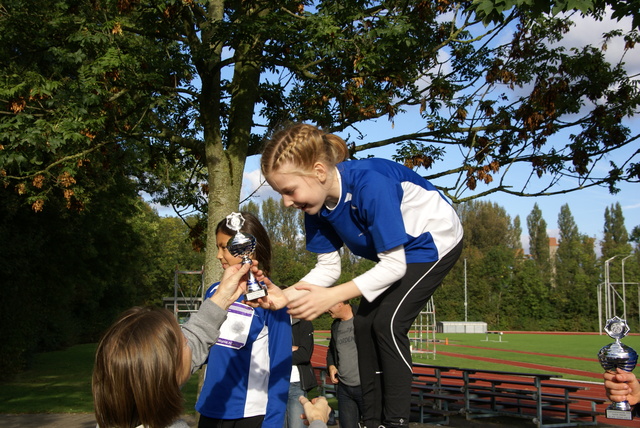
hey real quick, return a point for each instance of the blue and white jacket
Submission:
(384, 205)
(252, 380)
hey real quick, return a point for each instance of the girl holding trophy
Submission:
(246, 383)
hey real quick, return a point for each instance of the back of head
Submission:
(253, 227)
(301, 146)
(135, 373)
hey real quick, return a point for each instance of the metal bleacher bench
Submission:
(324, 387)
(439, 392)
(541, 398)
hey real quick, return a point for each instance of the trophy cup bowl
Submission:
(614, 356)
(243, 245)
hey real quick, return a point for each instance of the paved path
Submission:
(48, 420)
(86, 420)
(58, 420)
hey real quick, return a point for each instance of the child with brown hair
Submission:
(145, 357)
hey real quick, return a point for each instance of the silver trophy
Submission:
(243, 245)
(618, 355)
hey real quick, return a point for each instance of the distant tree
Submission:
(282, 223)
(635, 235)
(538, 237)
(174, 251)
(491, 245)
(517, 232)
(616, 237)
(575, 277)
(496, 272)
(527, 303)
(290, 264)
(568, 229)
(486, 224)
(569, 235)
(252, 207)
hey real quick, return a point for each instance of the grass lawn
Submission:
(57, 382)
(60, 382)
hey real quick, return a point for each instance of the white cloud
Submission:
(631, 207)
(589, 31)
(256, 187)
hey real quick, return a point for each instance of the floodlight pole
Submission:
(175, 292)
(465, 290)
(608, 306)
(624, 293)
(600, 306)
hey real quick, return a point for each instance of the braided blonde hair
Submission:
(302, 145)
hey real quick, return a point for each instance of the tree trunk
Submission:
(226, 165)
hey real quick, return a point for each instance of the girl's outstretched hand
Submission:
(314, 303)
(275, 298)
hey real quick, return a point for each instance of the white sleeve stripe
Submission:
(391, 267)
(326, 271)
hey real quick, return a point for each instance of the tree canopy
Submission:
(175, 94)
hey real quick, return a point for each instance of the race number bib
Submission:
(235, 329)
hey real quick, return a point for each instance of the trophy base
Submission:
(253, 295)
(255, 289)
(625, 415)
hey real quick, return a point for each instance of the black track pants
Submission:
(384, 355)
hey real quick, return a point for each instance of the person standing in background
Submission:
(303, 379)
(342, 364)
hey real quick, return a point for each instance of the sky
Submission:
(587, 206)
